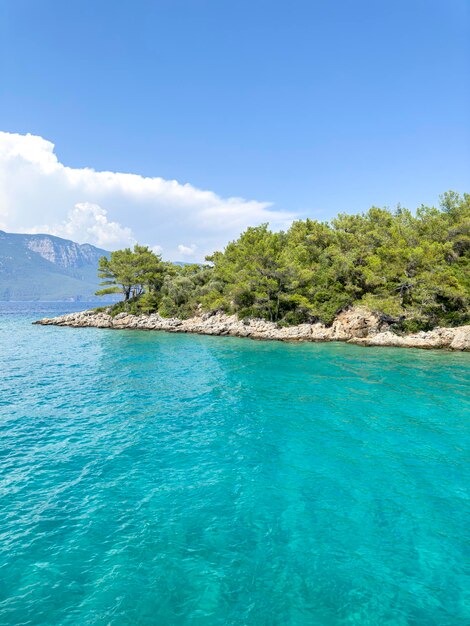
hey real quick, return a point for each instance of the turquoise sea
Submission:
(150, 478)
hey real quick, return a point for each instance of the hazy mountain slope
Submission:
(43, 267)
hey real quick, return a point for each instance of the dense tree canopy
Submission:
(411, 266)
(131, 272)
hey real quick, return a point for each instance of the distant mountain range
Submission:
(43, 267)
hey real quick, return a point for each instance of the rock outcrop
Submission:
(357, 325)
(447, 338)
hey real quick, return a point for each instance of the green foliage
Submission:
(184, 291)
(412, 267)
(131, 272)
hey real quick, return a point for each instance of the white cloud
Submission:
(187, 250)
(112, 209)
(89, 222)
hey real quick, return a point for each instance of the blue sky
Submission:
(315, 107)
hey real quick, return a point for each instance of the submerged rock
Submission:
(357, 325)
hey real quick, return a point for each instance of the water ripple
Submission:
(164, 479)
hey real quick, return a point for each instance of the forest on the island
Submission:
(411, 266)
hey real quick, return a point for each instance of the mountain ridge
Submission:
(47, 267)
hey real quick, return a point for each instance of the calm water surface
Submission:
(150, 478)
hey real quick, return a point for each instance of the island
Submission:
(380, 278)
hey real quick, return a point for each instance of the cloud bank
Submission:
(112, 209)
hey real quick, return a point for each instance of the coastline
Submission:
(357, 326)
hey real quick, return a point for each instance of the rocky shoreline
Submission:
(357, 325)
